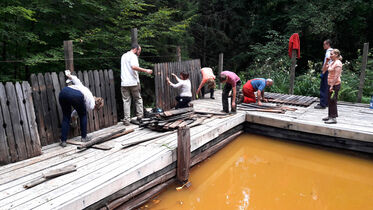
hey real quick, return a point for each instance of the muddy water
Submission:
(255, 172)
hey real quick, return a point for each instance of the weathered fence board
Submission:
(19, 138)
(165, 95)
(45, 92)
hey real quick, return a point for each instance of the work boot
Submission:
(63, 144)
(325, 118)
(318, 106)
(331, 121)
(86, 139)
(125, 122)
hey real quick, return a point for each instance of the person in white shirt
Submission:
(130, 83)
(185, 87)
(81, 99)
(324, 91)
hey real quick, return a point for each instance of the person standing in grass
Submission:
(183, 83)
(232, 82)
(334, 69)
(324, 78)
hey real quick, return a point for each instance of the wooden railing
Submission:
(46, 88)
(165, 95)
(19, 138)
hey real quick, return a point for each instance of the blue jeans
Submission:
(72, 98)
(324, 90)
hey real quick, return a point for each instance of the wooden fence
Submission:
(165, 95)
(46, 88)
(19, 137)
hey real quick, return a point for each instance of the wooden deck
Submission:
(102, 173)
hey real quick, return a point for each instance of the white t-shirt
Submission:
(129, 76)
(185, 87)
(327, 55)
(88, 97)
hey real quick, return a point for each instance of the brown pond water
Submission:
(255, 172)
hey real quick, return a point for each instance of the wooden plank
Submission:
(62, 79)
(52, 104)
(60, 171)
(362, 71)
(177, 111)
(112, 96)
(292, 71)
(29, 106)
(69, 55)
(93, 90)
(220, 66)
(183, 154)
(105, 110)
(103, 138)
(90, 120)
(45, 109)
(38, 110)
(98, 94)
(16, 121)
(23, 120)
(56, 91)
(96, 146)
(108, 98)
(4, 149)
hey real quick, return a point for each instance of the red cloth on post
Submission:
(294, 44)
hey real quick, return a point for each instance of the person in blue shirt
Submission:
(252, 86)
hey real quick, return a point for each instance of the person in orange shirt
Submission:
(208, 78)
(334, 84)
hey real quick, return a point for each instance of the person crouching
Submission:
(183, 83)
(80, 98)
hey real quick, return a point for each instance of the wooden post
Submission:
(69, 56)
(362, 73)
(292, 71)
(134, 36)
(183, 154)
(220, 67)
(178, 53)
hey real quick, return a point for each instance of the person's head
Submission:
(99, 103)
(211, 83)
(327, 44)
(135, 48)
(269, 82)
(223, 78)
(184, 75)
(335, 54)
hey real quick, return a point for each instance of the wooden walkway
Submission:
(102, 173)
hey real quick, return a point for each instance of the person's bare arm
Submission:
(137, 68)
(234, 96)
(263, 98)
(259, 96)
(200, 87)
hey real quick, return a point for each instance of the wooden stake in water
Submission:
(183, 154)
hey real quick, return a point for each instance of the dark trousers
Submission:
(203, 91)
(324, 89)
(332, 110)
(72, 98)
(182, 102)
(227, 88)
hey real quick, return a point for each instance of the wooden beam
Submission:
(183, 154)
(134, 36)
(105, 137)
(220, 68)
(362, 71)
(178, 53)
(292, 71)
(50, 175)
(69, 57)
(177, 111)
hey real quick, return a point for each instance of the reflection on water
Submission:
(255, 172)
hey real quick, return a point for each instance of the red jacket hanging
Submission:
(294, 44)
